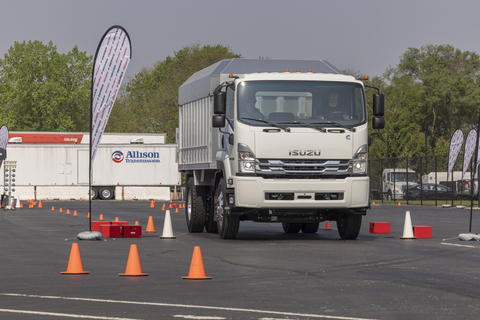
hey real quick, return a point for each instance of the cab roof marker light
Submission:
(298, 70)
(286, 70)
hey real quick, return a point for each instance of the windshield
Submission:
(403, 176)
(311, 102)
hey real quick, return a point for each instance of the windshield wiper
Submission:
(269, 123)
(303, 124)
(336, 124)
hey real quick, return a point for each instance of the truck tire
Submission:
(348, 226)
(210, 223)
(93, 193)
(227, 224)
(195, 208)
(106, 193)
(291, 227)
(310, 227)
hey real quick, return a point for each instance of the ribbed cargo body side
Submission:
(196, 147)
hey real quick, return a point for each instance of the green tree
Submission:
(43, 90)
(434, 88)
(149, 103)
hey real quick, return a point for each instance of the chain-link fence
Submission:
(421, 180)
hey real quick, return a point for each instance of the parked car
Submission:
(428, 191)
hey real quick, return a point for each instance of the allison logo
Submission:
(117, 156)
(136, 157)
(304, 152)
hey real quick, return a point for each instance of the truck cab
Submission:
(395, 181)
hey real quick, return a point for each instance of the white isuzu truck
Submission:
(275, 141)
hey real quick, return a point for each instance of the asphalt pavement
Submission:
(263, 274)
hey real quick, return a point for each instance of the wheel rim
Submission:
(219, 208)
(106, 193)
(189, 206)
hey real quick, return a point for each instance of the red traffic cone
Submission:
(197, 272)
(327, 226)
(133, 264)
(150, 226)
(75, 262)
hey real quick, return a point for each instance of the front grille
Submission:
(302, 167)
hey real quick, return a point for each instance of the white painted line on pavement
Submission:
(158, 304)
(198, 317)
(458, 245)
(69, 315)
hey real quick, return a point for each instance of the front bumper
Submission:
(250, 192)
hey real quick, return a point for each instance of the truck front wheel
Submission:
(348, 226)
(227, 224)
(195, 209)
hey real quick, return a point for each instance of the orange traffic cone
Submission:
(40, 204)
(152, 204)
(47, 199)
(163, 207)
(150, 227)
(116, 219)
(53, 208)
(75, 213)
(170, 200)
(133, 264)
(399, 204)
(21, 206)
(373, 203)
(176, 210)
(60, 210)
(88, 216)
(136, 223)
(81, 199)
(197, 272)
(75, 262)
(327, 226)
(68, 211)
(101, 217)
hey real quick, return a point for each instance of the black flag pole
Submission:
(472, 184)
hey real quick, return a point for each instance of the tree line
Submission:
(430, 93)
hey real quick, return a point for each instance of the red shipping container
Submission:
(132, 231)
(96, 224)
(379, 227)
(424, 232)
(111, 231)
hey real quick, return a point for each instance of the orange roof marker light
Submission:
(298, 70)
(309, 70)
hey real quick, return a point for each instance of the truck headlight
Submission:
(360, 160)
(246, 159)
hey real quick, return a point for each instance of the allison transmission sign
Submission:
(136, 157)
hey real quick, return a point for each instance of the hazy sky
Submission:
(368, 35)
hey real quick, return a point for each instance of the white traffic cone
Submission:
(17, 205)
(407, 228)
(167, 227)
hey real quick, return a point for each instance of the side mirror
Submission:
(378, 104)
(218, 121)
(219, 101)
(378, 122)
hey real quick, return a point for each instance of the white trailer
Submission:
(292, 160)
(56, 166)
